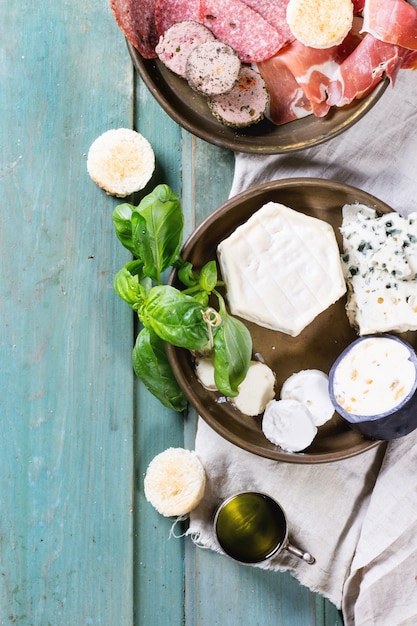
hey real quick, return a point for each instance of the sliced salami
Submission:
(242, 28)
(136, 19)
(169, 12)
(177, 43)
(275, 13)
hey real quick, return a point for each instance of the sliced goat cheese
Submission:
(204, 369)
(380, 265)
(288, 424)
(256, 390)
(281, 268)
(311, 388)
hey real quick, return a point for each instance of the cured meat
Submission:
(136, 20)
(242, 28)
(177, 43)
(358, 6)
(410, 61)
(169, 12)
(275, 13)
(212, 68)
(313, 69)
(245, 104)
(392, 21)
(288, 101)
(364, 69)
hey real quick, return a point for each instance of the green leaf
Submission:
(232, 354)
(157, 228)
(186, 273)
(122, 220)
(175, 317)
(151, 365)
(127, 285)
(208, 276)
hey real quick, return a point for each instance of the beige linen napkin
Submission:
(325, 505)
(358, 517)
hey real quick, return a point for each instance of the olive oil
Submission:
(251, 527)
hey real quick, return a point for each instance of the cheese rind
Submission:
(281, 268)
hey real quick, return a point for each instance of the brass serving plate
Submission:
(190, 111)
(316, 347)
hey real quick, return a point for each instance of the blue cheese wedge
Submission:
(281, 269)
(380, 265)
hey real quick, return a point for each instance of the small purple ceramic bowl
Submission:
(373, 385)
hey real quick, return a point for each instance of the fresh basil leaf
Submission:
(151, 365)
(175, 317)
(208, 276)
(122, 220)
(186, 274)
(127, 285)
(136, 269)
(157, 228)
(232, 345)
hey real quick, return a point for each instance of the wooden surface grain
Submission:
(79, 545)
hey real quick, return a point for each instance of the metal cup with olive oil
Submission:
(251, 527)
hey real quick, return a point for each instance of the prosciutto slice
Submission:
(313, 70)
(136, 20)
(364, 69)
(392, 21)
(168, 13)
(242, 28)
(288, 102)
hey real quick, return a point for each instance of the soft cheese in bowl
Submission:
(373, 386)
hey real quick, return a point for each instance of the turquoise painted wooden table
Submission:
(79, 545)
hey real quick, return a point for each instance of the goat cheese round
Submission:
(288, 424)
(256, 390)
(311, 387)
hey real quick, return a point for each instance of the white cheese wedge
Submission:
(311, 388)
(380, 265)
(288, 424)
(281, 269)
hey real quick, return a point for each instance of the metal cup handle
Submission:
(305, 556)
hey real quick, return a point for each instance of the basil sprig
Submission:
(153, 232)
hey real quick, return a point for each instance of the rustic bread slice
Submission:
(320, 23)
(121, 161)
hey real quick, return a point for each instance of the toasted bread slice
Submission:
(175, 481)
(320, 23)
(121, 161)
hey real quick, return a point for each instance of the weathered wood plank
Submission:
(159, 570)
(66, 389)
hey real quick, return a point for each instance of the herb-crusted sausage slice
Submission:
(213, 68)
(245, 104)
(175, 46)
